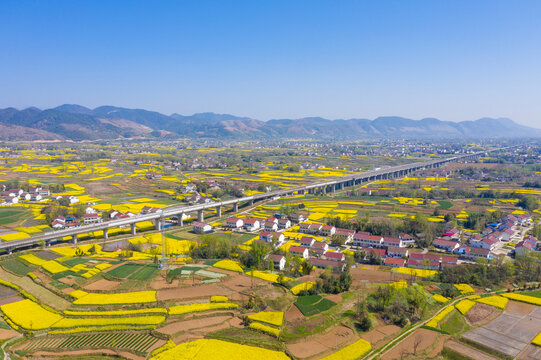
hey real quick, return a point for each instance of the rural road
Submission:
(377, 353)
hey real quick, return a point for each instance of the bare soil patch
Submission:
(186, 325)
(481, 314)
(520, 308)
(293, 313)
(241, 282)
(367, 273)
(160, 284)
(82, 353)
(7, 334)
(193, 292)
(531, 352)
(69, 280)
(423, 337)
(336, 338)
(9, 300)
(337, 298)
(102, 284)
(376, 336)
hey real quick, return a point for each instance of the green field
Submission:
(16, 267)
(313, 304)
(125, 270)
(444, 204)
(145, 273)
(536, 293)
(10, 216)
(455, 324)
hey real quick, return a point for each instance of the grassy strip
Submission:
(449, 354)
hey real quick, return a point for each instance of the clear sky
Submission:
(450, 59)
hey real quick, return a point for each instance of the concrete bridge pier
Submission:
(133, 229)
(74, 239)
(236, 207)
(200, 215)
(10, 251)
(105, 234)
(218, 211)
(180, 221)
(251, 202)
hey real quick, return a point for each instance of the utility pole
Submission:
(163, 264)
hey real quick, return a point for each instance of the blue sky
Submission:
(454, 60)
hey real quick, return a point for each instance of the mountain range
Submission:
(77, 123)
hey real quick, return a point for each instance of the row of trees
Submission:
(527, 268)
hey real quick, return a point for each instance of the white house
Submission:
(299, 251)
(201, 227)
(392, 241)
(271, 226)
(234, 223)
(251, 224)
(307, 241)
(367, 240)
(279, 261)
(284, 224)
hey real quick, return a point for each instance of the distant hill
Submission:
(75, 122)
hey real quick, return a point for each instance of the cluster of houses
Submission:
(13, 196)
(493, 236)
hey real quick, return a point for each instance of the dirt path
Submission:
(39, 292)
(468, 351)
(400, 338)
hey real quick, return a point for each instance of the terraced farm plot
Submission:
(10, 216)
(510, 333)
(125, 270)
(134, 341)
(147, 272)
(48, 255)
(313, 304)
(15, 266)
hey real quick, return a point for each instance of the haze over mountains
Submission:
(75, 122)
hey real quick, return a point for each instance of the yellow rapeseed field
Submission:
(265, 328)
(440, 298)
(464, 288)
(116, 312)
(464, 306)
(204, 349)
(229, 265)
(135, 297)
(30, 315)
(272, 317)
(524, 298)
(436, 319)
(496, 301)
(307, 285)
(190, 308)
(351, 352)
(416, 272)
(100, 321)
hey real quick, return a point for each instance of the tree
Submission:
(337, 240)
(363, 316)
(529, 203)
